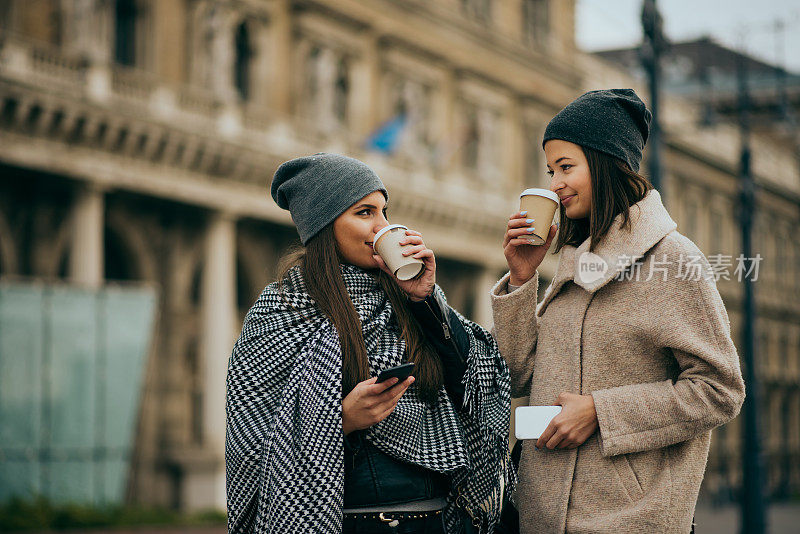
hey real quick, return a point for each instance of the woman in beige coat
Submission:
(631, 338)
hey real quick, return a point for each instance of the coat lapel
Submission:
(615, 252)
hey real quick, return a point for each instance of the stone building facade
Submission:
(138, 139)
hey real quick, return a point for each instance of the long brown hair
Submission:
(615, 188)
(320, 264)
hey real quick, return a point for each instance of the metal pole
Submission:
(653, 46)
(752, 496)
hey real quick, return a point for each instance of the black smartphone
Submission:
(401, 372)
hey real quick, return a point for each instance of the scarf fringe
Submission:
(478, 399)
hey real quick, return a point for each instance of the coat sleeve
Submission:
(690, 324)
(516, 329)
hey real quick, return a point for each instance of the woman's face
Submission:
(355, 228)
(571, 181)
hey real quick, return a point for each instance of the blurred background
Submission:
(138, 140)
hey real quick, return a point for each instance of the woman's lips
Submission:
(568, 199)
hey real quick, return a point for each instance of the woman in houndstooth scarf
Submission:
(314, 444)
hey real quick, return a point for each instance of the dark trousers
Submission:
(428, 525)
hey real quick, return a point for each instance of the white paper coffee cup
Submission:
(387, 245)
(541, 205)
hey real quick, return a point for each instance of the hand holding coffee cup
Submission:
(402, 253)
(540, 206)
(529, 234)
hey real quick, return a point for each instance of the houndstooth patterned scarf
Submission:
(284, 444)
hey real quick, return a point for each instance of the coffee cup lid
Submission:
(540, 192)
(383, 231)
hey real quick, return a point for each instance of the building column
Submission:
(169, 38)
(448, 138)
(205, 482)
(364, 92)
(281, 50)
(561, 37)
(514, 150)
(483, 302)
(508, 15)
(221, 26)
(86, 259)
(88, 31)
(261, 40)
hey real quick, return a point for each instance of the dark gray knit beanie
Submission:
(317, 189)
(613, 121)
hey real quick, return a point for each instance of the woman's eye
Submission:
(550, 173)
(566, 166)
(363, 212)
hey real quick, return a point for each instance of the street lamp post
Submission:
(653, 47)
(752, 495)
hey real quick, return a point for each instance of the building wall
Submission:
(138, 139)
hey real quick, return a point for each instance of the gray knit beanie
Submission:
(317, 189)
(613, 121)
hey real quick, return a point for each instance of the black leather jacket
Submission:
(372, 477)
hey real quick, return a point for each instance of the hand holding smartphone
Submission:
(531, 421)
(401, 372)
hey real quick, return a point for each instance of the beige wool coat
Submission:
(658, 359)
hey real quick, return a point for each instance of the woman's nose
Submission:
(380, 224)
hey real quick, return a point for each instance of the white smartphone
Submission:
(531, 421)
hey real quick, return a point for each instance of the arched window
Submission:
(243, 63)
(126, 13)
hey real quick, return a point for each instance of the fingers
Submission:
(569, 439)
(411, 240)
(401, 390)
(518, 242)
(555, 441)
(520, 222)
(394, 392)
(386, 408)
(546, 435)
(423, 254)
(414, 250)
(419, 250)
(376, 388)
(556, 436)
(519, 232)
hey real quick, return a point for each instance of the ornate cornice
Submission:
(124, 129)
